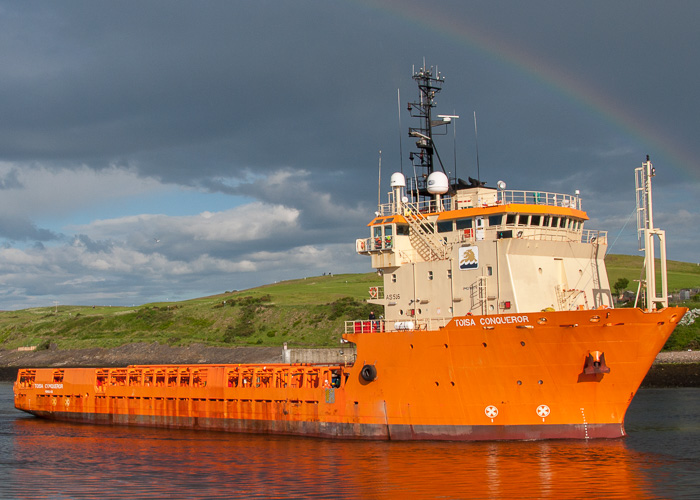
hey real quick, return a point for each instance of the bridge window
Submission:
(545, 221)
(444, 226)
(555, 221)
(535, 220)
(463, 223)
(495, 220)
(511, 219)
(401, 230)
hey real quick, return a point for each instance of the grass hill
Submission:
(304, 313)
(680, 274)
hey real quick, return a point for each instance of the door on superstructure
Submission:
(479, 228)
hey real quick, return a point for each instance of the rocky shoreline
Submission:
(670, 369)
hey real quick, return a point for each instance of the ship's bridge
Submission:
(404, 231)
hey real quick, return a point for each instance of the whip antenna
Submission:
(398, 104)
(476, 140)
(379, 187)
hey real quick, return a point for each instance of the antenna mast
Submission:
(429, 84)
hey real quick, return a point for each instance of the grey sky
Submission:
(167, 150)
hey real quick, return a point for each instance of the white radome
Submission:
(398, 180)
(438, 183)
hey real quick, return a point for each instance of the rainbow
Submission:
(584, 94)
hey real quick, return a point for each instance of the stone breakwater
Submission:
(674, 369)
(670, 369)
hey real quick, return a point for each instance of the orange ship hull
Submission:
(521, 376)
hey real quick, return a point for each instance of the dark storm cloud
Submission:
(190, 91)
(287, 104)
(173, 87)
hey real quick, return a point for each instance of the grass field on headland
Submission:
(307, 312)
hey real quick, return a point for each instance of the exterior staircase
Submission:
(423, 235)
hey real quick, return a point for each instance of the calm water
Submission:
(40, 459)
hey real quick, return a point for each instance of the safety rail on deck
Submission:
(376, 244)
(593, 236)
(539, 198)
(382, 325)
(504, 197)
(243, 376)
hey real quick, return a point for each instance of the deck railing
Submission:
(504, 197)
(382, 325)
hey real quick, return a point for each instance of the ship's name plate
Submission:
(48, 386)
(493, 320)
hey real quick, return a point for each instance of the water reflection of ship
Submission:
(76, 461)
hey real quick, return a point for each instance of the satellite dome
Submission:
(438, 183)
(398, 180)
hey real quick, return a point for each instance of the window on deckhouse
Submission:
(444, 226)
(495, 220)
(463, 223)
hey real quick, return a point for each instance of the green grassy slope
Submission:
(680, 274)
(304, 313)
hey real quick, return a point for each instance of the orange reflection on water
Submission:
(82, 461)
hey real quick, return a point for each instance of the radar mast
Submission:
(429, 84)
